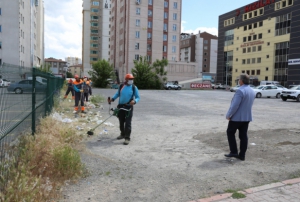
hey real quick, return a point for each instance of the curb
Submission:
(250, 190)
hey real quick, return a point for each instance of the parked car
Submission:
(4, 83)
(267, 91)
(26, 86)
(114, 86)
(280, 86)
(293, 93)
(172, 85)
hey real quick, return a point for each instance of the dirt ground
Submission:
(177, 149)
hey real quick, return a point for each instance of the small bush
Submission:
(237, 195)
(67, 162)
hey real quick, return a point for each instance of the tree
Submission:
(149, 76)
(70, 75)
(101, 71)
(159, 67)
(45, 68)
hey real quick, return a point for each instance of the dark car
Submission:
(26, 86)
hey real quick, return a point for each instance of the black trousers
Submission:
(70, 89)
(79, 97)
(233, 126)
(125, 118)
(86, 96)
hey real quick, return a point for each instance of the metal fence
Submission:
(26, 95)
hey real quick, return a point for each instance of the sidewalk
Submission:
(285, 191)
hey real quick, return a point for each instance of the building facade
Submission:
(262, 40)
(76, 70)
(201, 49)
(57, 66)
(95, 32)
(73, 61)
(144, 28)
(22, 32)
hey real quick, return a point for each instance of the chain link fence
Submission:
(26, 95)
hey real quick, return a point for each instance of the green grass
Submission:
(237, 195)
(96, 99)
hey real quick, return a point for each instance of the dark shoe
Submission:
(241, 158)
(231, 155)
(126, 142)
(120, 137)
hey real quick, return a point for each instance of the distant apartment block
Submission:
(22, 32)
(148, 28)
(73, 61)
(57, 66)
(76, 70)
(201, 49)
(95, 32)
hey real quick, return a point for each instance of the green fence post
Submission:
(33, 101)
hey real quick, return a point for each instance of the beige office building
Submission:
(95, 32)
(22, 32)
(148, 28)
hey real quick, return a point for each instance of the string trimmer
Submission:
(115, 113)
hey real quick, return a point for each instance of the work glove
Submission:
(81, 91)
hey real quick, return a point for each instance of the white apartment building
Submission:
(73, 61)
(95, 32)
(148, 28)
(22, 32)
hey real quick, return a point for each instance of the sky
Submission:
(63, 22)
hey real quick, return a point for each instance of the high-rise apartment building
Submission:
(73, 61)
(200, 48)
(148, 28)
(95, 32)
(262, 40)
(22, 32)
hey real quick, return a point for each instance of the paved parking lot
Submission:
(178, 146)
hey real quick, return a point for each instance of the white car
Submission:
(293, 93)
(267, 91)
(4, 83)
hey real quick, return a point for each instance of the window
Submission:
(174, 38)
(250, 26)
(283, 4)
(249, 49)
(248, 61)
(254, 37)
(258, 60)
(95, 10)
(165, 37)
(244, 39)
(150, 2)
(236, 59)
(249, 38)
(244, 50)
(166, 4)
(259, 36)
(94, 17)
(137, 34)
(0, 45)
(148, 47)
(136, 56)
(254, 49)
(0, 28)
(261, 23)
(205, 53)
(138, 11)
(175, 5)
(245, 28)
(243, 61)
(149, 35)
(165, 15)
(164, 48)
(205, 47)
(148, 58)
(255, 13)
(269, 31)
(258, 48)
(252, 72)
(149, 12)
(94, 31)
(245, 16)
(255, 25)
(165, 27)
(248, 72)
(267, 68)
(261, 11)
(149, 24)
(173, 49)
(174, 27)
(253, 60)
(94, 52)
(268, 43)
(137, 46)
(205, 41)
(96, 3)
(137, 22)
(250, 15)
(267, 56)
(174, 16)
(266, 78)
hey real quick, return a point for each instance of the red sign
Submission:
(252, 43)
(257, 5)
(200, 85)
